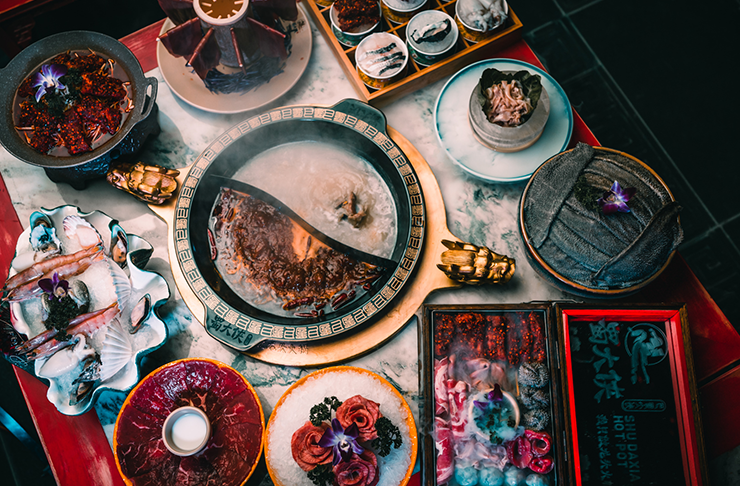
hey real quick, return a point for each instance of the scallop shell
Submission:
(121, 285)
(77, 228)
(118, 350)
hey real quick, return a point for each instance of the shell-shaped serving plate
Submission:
(152, 332)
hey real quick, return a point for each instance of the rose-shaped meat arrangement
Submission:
(366, 437)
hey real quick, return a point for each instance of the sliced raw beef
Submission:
(244, 439)
(242, 409)
(151, 399)
(164, 473)
(137, 458)
(172, 380)
(137, 426)
(201, 376)
(226, 387)
(196, 471)
(228, 464)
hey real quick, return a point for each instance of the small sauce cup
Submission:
(427, 53)
(470, 32)
(374, 80)
(351, 39)
(400, 11)
(186, 431)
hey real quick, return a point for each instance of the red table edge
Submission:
(93, 461)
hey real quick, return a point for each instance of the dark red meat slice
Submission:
(272, 42)
(73, 134)
(137, 458)
(227, 464)
(196, 471)
(242, 409)
(182, 40)
(206, 55)
(101, 85)
(86, 64)
(173, 382)
(164, 473)
(135, 426)
(201, 375)
(99, 112)
(26, 90)
(226, 387)
(151, 399)
(244, 439)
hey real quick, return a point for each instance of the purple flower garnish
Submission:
(492, 396)
(54, 286)
(495, 395)
(615, 199)
(344, 441)
(48, 79)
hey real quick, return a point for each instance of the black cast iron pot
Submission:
(77, 170)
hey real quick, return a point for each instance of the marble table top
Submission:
(479, 212)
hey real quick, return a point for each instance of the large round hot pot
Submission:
(367, 321)
(77, 169)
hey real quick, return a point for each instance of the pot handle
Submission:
(370, 115)
(475, 265)
(231, 335)
(147, 109)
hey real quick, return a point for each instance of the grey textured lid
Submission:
(587, 247)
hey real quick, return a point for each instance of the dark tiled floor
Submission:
(652, 78)
(633, 70)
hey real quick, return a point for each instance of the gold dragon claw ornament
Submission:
(150, 183)
(475, 265)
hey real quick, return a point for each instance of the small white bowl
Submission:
(351, 39)
(170, 441)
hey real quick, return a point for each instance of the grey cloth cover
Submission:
(587, 247)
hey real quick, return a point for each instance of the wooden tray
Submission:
(417, 76)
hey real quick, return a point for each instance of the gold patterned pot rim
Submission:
(233, 321)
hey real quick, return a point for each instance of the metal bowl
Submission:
(78, 168)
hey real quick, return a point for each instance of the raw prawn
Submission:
(38, 270)
(44, 345)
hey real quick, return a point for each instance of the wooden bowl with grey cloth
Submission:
(583, 251)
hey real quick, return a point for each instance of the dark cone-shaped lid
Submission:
(583, 245)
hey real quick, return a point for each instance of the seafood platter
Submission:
(427, 40)
(327, 271)
(192, 421)
(341, 425)
(232, 56)
(74, 103)
(558, 394)
(79, 295)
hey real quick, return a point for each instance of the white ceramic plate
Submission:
(152, 332)
(456, 135)
(294, 407)
(183, 81)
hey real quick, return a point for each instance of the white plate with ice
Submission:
(456, 136)
(106, 282)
